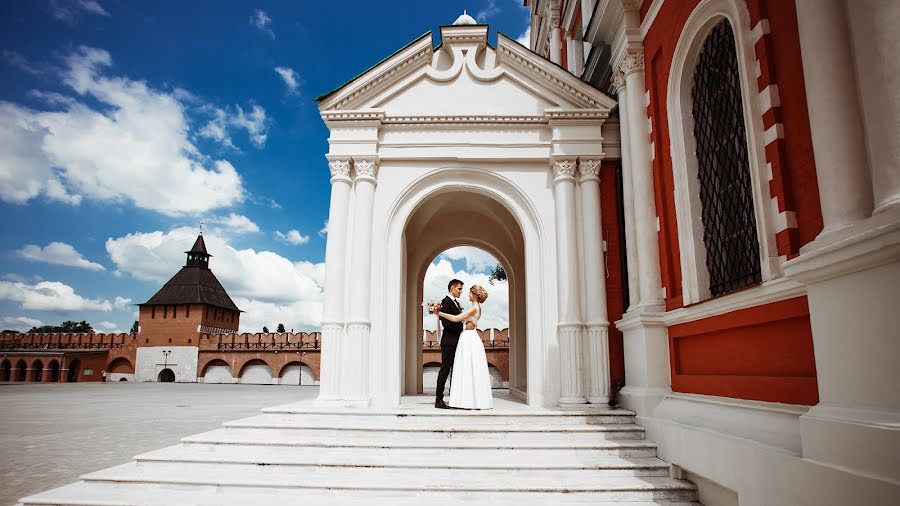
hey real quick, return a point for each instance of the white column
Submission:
(631, 255)
(873, 26)
(570, 325)
(354, 375)
(835, 122)
(555, 40)
(645, 220)
(596, 321)
(333, 304)
(575, 56)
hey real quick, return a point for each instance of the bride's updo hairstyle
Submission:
(480, 293)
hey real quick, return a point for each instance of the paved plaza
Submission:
(53, 433)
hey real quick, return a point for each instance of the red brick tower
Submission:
(193, 301)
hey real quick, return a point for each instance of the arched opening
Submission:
(496, 376)
(53, 368)
(123, 379)
(166, 376)
(119, 369)
(21, 370)
(473, 266)
(449, 218)
(297, 373)
(217, 371)
(5, 370)
(256, 372)
(74, 371)
(37, 371)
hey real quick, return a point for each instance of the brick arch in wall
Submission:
(120, 365)
(293, 373)
(217, 371)
(254, 371)
(5, 370)
(53, 371)
(37, 370)
(20, 371)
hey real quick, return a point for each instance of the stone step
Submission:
(355, 427)
(410, 458)
(402, 480)
(129, 494)
(291, 437)
(503, 417)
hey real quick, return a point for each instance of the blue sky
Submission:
(123, 125)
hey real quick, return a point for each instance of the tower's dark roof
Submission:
(193, 285)
(199, 246)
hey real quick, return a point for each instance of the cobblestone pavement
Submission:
(50, 434)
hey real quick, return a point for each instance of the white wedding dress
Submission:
(470, 383)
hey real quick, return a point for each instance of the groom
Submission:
(449, 338)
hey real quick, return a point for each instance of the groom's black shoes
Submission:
(440, 404)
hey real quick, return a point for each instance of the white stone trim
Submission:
(770, 291)
(650, 18)
(695, 276)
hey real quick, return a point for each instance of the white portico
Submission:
(465, 144)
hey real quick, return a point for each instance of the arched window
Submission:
(726, 194)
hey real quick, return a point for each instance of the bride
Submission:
(470, 385)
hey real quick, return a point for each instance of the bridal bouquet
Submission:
(428, 307)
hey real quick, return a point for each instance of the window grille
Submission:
(729, 225)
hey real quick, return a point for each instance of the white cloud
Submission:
(50, 296)
(253, 122)
(121, 303)
(21, 323)
(488, 11)
(495, 310)
(17, 60)
(132, 146)
(58, 253)
(324, 231)
(237, 223)
(108, 326)
(292, 237)
(476, 260)
(262, 22)
(262, 283)
(15, 277)
(525, 38)
(290, 78)
(70, 10)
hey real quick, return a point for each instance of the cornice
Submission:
(417, 54)
(551, 75)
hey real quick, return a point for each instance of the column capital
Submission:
(563, 170)
(366, 169)
(340, 170)
(631, 5)
(589, 169)
(618, 81)
(632, 62)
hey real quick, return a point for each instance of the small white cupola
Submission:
(465, 19)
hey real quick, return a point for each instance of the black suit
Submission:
(449, 339)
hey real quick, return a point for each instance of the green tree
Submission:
(280, 328)
(134, 327)
(498, 274)
(66, 326)
(265, 330)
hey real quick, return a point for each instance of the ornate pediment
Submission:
(464, 80)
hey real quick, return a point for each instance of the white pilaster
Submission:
(354, 378)
(645, 218)
(845, 191)
(570, 325)
(627, 195)
(596, 342)
(333, 304)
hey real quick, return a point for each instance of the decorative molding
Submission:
(633, 61)
(356, 116)
(366, 169)
(340, 169)
(560, 114)
(589, 169)
(551, 75)
(631, 5)
(465, 120)
(564, 169)
(618, 81)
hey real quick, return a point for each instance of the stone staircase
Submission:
(411, 455)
